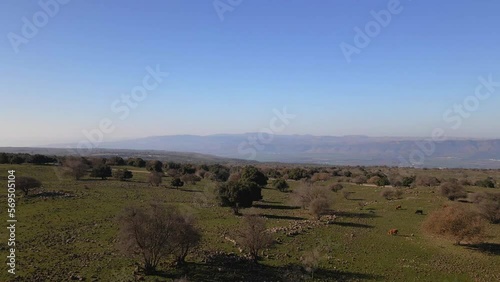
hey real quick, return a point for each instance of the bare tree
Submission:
(26, 183)
(186, 236)
(315, 198)
(155, 178)
(156, 233)
(75, 167)
(253, 236)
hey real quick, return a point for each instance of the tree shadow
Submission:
(353, 214)
(352, 224)
(286, 217)
(277, 207)
(488, 248)
(244, 270)
(188, 190)
(356, 199)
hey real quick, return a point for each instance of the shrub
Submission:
(408, 180)
(487, 183)
(452, 191)
(155, 165)
(280, 184)
(336, 187)
(457, 223)
(122, 174)
(360, 179)
(428, 181)
(391, 193)
(191, 178)
(176, 182)
(488, 205)
(315, 198)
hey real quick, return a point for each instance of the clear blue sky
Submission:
(227, 76)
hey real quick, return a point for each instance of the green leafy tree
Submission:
(253, 174)
(122, 174)
(280, 184)
(177, 182)
(103, 171)
(155, 165)
(238, 194)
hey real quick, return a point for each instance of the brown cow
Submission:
(393, 232)
(398, 207)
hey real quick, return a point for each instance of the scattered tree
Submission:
(75, 166)
(253, 174)
(238, 194)
(315, 198)
(26, 183)
(122, 174)
(155, 165)
(280, 184)
(155, 233)
(253, 237)
(103, 171)
(176, 182)
(155, 178)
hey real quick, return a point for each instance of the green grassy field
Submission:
(60, 238)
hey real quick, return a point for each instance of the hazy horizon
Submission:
(242, 69)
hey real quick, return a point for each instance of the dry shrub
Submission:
(456, 222)
(452, 191)
(320, 176)
(316, 198)
(488, 205)
(336, 187)
(391, 193)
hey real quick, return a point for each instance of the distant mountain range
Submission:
(333, 150)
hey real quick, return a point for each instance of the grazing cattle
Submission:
(398, 207)
(393, 232)
(419, 212)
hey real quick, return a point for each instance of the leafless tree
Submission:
(75, 167)
(26, 183)
(253, 237)
(156, 233)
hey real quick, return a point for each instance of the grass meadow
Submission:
(74, 237)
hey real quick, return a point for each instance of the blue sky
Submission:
(226, 75)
